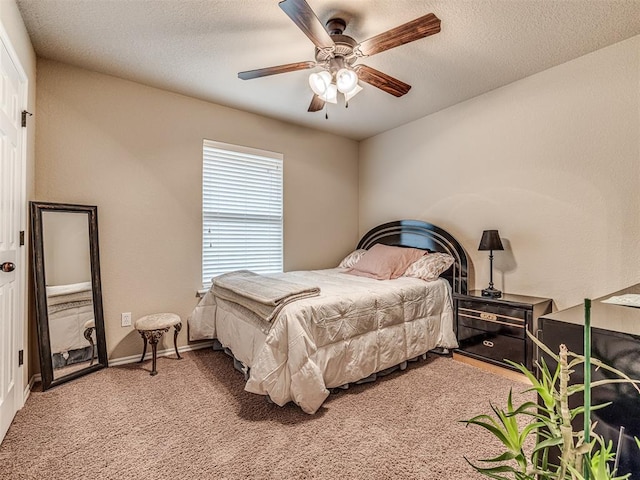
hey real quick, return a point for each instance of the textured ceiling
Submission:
(197, 47)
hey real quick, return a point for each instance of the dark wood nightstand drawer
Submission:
(490, 345)
(504, 313)
(490, 322)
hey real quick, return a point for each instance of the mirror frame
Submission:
(39, 278)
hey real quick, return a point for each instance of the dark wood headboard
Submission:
(417, 234)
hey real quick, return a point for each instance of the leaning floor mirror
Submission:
(66, 268)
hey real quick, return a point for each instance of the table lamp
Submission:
(491, 241)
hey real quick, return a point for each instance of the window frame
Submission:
(266, 218)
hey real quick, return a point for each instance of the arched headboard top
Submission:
(423, 235)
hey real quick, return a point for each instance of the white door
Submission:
(11, 204)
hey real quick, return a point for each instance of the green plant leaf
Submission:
(500, 458)
(580, 410)
(543, 347)
(493, 472)
(492, 427)
(550, 442)
(624, 378)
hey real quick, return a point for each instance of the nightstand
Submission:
(494, 329)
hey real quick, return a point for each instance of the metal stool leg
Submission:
(144, 350)
(154, 349)
(177, 327)
(153, 337)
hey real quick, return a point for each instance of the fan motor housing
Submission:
(344, 45)
(344, 48)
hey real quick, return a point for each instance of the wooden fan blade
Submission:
(316, 104)
(263, 72)
(300, 12)
(381, 80)
(414, 30)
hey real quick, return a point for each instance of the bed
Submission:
(351, 330)
(71, 323)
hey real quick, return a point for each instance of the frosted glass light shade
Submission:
(319, 82)
(331, 94)
(346, 80)
(349, 95)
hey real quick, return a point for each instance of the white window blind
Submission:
(241, 210)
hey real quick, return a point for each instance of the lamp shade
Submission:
(346, 80)
(330, 95)
(319, 82)
(349, 95)
(490, 241)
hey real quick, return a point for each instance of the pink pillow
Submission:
(384, 262)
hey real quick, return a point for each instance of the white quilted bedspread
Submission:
(355, 327)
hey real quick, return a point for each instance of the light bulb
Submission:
(346, 80)
(319, 82)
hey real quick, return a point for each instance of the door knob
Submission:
(8, 267)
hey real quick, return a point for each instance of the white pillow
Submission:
(351, 259)
(429, 267)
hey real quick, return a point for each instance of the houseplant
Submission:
(532, 432)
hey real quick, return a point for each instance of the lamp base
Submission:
(491, 292)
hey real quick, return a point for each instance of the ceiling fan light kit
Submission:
(326, 88)
(337, 53)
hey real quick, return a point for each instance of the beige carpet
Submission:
(194, 421)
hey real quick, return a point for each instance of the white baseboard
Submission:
(114, 362)
(124, 360)
(27, 391)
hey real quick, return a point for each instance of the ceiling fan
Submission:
(337, 54)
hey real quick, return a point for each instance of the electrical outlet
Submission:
(126, 319)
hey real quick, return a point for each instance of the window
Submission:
(241, 210)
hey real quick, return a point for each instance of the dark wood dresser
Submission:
(615, 340)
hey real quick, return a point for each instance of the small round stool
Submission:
(152, 327)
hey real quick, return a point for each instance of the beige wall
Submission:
(136, 153)
(66, 246)
(552, 161)
(16, 33)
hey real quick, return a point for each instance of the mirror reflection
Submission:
(68, 288)
(68, 292)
